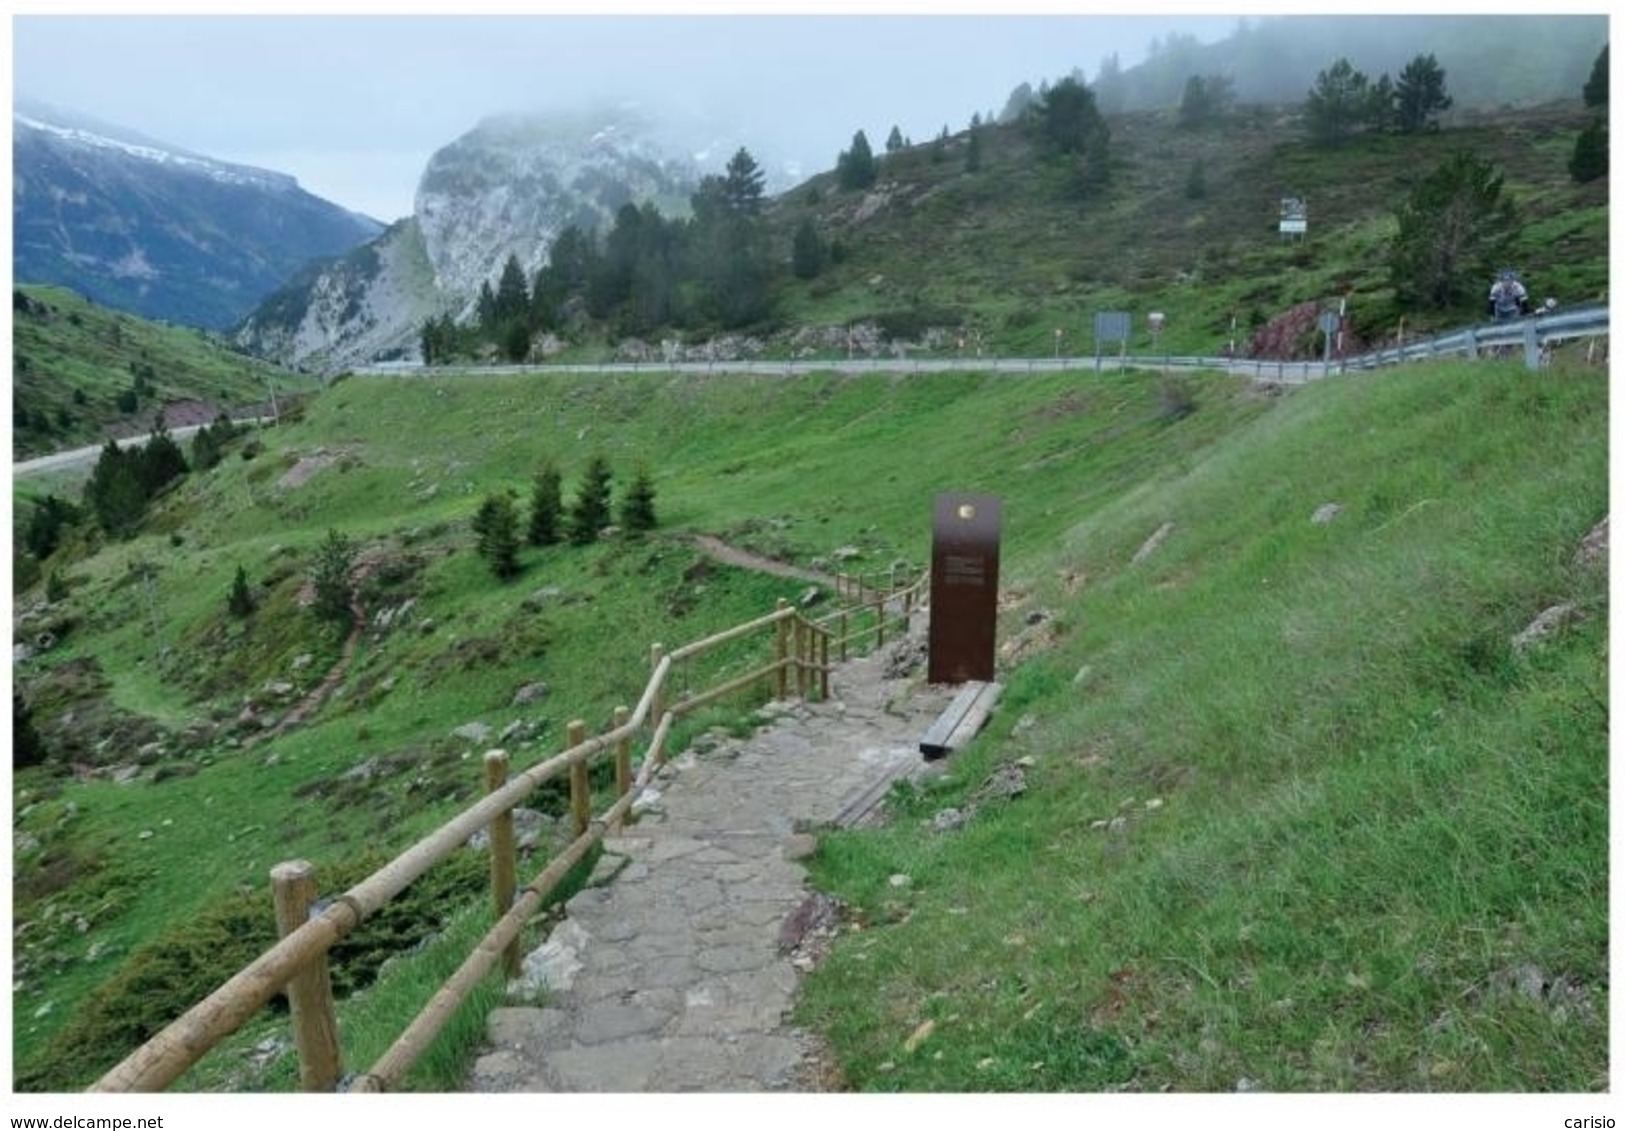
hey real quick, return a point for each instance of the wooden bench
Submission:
(962, 718)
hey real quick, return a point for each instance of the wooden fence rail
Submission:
(297, 963)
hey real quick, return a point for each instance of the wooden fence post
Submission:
(845, 629)
(823, 667)
(504, 854)
(623, 755)
(310, 993)
(781, 651)
(880, 621)
(658, 708)
(580, 791)
(798, 649)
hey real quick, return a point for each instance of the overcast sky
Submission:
(354, 105)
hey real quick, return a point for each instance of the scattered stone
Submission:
(366, 771)
(1248, 1085)
(899, 880)
(1325, 513)
(920, 1035)
(648, 802)
(800, 846)
(1008, 780)
(1594, 547)
(1548, 622)
(1153, 803)
(947, 820)
(529, 693)
(1150, 545)
(475, 732)
(819, 913)
(266, 1051)
(553, 965)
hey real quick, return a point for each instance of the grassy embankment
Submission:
(1373, 814)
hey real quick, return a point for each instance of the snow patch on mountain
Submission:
(178, 159)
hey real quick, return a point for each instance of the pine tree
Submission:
(27, 749)
(496, 526)
(590, 512)
(973, 147)
(1337, 104)
(1453, 231)
(1590, 158)
(743, 184)
(546, 506)
(239, 599)
(512, 298)
(807, 252)
(1069, 126)
(114, 493)
(855, 167)
(894, 140)
(1419, 96)
(205, 448)
(638, 504)
(160, 460)
(49, 518)
(1595, 91)
(330, 578)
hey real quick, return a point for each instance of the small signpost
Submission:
(1294, 216)
(964, 587)
(1330, 320)
(1112, 326)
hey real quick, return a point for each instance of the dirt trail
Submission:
(744, 559)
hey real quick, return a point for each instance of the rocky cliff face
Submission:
(142, 226)
(367, 305)
(508, 187)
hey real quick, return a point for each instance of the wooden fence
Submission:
(800, 662)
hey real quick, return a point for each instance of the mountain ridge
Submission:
(154, 229)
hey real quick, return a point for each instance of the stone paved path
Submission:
(671, 976)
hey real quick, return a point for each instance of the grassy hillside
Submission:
(1007, 251)
(949, 256)
(1375, 821)
(72, 360)
(1299, 815)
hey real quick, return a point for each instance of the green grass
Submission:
(1369, 815)
(1014, 258)
(1371, 808)
(72, 359)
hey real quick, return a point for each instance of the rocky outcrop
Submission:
(506, 188)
